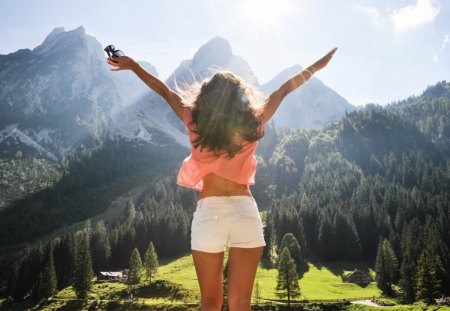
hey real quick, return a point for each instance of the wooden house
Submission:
(358, 277)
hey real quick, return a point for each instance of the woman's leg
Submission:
(209, 268)
(242, 265)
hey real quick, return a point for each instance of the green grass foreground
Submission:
(175, 287)
(319, 282)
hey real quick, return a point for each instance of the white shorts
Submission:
(226, 220)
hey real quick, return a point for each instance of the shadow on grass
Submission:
(166, 261)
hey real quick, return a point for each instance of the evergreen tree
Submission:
(327, 243)
(30, 267)
(292, 244)
(134, 271)
(34, 293)
(268, 231)
(287, 281)
(64, 260)
(47, 286)
(407, 279)
(100, 247)
(130, 211)
(82, 278)
(411, 242)
(386, 267)
(19, 290)
(427, 281)
(150, 261)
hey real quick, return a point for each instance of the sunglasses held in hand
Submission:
(112, 52)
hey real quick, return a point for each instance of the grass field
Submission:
(321, 282)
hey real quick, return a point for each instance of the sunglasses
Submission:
(111, 51)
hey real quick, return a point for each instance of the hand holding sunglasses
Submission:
(118, 59)
(112, 52)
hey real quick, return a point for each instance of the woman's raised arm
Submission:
(274, 100)
(127, 63)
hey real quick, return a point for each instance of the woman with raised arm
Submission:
(224, 120)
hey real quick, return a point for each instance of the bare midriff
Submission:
(214, 185)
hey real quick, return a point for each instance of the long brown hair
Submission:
(225, 113)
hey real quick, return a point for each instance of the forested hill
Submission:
(379, 173)
(374, 185)
(429, 113)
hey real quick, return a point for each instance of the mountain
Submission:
(153, 112)
(311, 106)
(61, 94)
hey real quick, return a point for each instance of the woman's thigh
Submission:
(242, 266)
(209, 269)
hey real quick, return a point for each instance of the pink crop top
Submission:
(240, 169)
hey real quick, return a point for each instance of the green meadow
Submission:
(175, 287)
(320, 282)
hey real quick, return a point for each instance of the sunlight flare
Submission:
(265, 11)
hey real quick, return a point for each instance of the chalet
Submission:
(112, 276)
(357, 277)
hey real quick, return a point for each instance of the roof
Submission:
(111, 273)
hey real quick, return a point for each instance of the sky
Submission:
(388, 50)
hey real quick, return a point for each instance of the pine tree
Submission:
(292, 244)
(47, 286)
(100, 247)
(63, 254)
(135, 266)
(150, 261)
(407, 281)
(427, 281)
(130, 211)
(327, 245)
(268, 237)
(287, 281)
(386, 267)
(82, 278)
(410, 241)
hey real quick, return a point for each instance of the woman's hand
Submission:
(322, 62)
(121, 63)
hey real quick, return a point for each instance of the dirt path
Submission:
(366, 302)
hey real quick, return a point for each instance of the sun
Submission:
(264, 11)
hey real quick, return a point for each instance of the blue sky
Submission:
(387, 50)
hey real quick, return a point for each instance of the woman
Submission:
(224, 120)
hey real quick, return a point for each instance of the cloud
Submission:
(370, 12)
(416, 15)
(445, 41)
(435, 58)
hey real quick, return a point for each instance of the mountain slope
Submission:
(311, 106)
(61, 93)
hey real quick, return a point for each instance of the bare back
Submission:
(214, 185)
